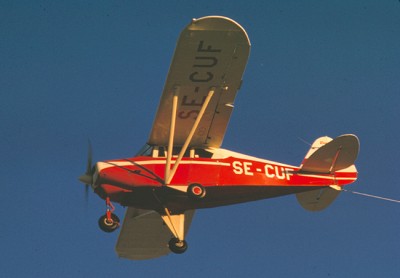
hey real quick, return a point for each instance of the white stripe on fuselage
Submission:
(104, 165)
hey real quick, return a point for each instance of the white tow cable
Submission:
(372, 196)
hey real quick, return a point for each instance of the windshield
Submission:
(145, 150)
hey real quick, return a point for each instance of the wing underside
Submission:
(144, 235)
(211, 54)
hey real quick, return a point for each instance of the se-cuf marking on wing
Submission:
(211, 54)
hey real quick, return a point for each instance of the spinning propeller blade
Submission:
(87, 177)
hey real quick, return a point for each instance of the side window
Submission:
(162, 152)
(158, 152)
(203, 153)
(155, 151)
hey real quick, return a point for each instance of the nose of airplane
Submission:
(86, 178)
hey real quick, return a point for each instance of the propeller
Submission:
(87, 177)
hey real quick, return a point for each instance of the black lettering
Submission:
(205, 62)
(208, 49)
(185, 115)
(191, 103)
(193, 77)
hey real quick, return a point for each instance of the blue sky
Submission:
(73, 70)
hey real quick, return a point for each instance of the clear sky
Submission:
(73, 70)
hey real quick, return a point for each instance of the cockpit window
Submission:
(145, 151)
(155, 151)
(203, 153)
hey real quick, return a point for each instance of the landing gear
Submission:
(109, 222)
(177, 246)
(176, 225)
(196, 191)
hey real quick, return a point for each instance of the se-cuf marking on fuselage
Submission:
(183, 167)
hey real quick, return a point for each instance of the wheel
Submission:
(196, 191)
(176, 246)
(109, 226)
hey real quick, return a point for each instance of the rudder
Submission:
(327, 156)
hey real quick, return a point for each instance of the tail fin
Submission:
(326, 156)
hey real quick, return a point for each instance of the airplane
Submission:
(182, 166)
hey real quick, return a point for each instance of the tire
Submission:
(177, 247)
(109, 226)
(196, 191)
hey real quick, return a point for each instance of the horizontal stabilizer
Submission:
(328, 156)
(317, 200)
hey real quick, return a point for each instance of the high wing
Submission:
(211, 54)
(145, 235)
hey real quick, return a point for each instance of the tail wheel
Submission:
(109, 225)
(196, 191)
(177, 246)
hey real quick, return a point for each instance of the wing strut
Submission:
(169, 174)
(171, 132)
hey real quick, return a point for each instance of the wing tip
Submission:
(219, 22)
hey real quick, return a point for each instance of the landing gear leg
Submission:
(109, 222)
(176, 224)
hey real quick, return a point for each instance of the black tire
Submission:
(177, 247)
(109, 226)
(196, 191)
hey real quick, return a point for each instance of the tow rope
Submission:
(371, 196)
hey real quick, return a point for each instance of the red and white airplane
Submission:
(182, 167)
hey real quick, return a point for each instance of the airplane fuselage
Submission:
(228, 178)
